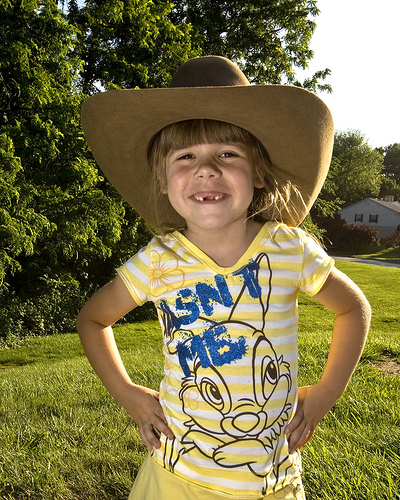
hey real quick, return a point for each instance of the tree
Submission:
(389, 187)
(266, 38)
(138, 43)
(34, 76)
(39, 147)
(20, 226)
(356, 167)
(63, 228)
(392, 162)
(60, 220)
(391, 171)
(128, 43)
(328, 202)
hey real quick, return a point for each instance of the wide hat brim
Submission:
(294, 125)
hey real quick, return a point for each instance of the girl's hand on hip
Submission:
(314, 402)
(144, 407)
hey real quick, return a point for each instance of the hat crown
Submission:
(208, 71)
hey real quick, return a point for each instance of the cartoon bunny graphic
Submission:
(246, 429)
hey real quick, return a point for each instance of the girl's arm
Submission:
(94, 322)
(350, 330)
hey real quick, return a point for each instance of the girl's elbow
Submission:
(366, 309)
(361, 312)
(84, 319)
(80, 321)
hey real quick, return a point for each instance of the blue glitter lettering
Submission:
(250, 278)
(189, 306)
(224, 291)
(222, 348)
(213, 347)
(198, 346)
(184, 354)
(210, 295)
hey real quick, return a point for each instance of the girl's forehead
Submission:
(222, 144)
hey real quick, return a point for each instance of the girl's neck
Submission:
(225, 247)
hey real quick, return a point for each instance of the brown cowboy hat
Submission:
(294, 126)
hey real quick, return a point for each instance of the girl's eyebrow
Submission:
(188, 147)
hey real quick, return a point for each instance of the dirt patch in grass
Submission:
(388, 365)
(10, 365)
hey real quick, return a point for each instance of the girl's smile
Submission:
(209, 196)
(211, 185)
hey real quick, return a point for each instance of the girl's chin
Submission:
(215, 224)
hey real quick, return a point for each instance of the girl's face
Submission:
(211, 185)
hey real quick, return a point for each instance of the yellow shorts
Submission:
(155, 483)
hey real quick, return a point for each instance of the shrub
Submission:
(357, 235)
(393, 240)
(353, 236)
(52, 309)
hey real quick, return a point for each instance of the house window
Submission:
(358, 218)
(373, 218)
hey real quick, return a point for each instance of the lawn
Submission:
(63, 437)
(386, 255)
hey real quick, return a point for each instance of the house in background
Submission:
(383, 215)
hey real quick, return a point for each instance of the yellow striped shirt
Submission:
(230, 347)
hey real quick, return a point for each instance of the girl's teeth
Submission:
(200, 198)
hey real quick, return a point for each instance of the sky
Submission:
(359, 41)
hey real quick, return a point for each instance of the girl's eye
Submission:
(186, 156)
(229, 154)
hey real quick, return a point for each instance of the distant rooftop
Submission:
(386, 202)
(393, 205)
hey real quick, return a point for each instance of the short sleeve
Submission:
(136, 275)
(316, 266)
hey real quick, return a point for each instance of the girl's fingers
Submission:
(296, 434)
(295, 422)
(148, 437)
(161, 426)
(299, 439)
(150, 433)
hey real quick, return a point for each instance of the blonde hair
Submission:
(268, 202)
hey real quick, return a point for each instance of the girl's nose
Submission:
(207, 169)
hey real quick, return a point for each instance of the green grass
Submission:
(63, 437)
(385, 255)
(355, 453)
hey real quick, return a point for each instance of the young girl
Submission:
(234, 169)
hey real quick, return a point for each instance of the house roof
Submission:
(391, 205)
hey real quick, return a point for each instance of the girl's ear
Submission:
(258, 176)
(258, 181)
(162, 183)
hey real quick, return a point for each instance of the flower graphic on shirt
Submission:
(168, 367)
(191, 398)
(165, 271)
